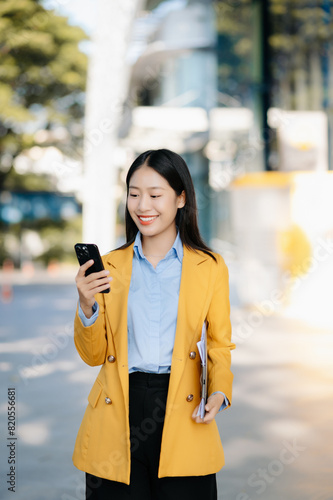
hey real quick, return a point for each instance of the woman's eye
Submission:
(132, 195)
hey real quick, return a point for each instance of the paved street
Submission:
(277, 436)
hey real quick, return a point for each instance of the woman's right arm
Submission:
(90, 341)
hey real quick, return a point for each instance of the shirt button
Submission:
(192, 354)
(111, 359)
(189, 398)
(108, 401)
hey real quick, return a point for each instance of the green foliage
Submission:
(58, 237)
(42, 76)
(26, 182)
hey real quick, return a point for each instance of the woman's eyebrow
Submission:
(151, 187)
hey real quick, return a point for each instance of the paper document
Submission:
(202, 348)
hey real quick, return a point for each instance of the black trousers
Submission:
(147, 402)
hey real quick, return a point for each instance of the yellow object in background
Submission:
(296, 250)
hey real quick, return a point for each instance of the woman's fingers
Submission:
(211, 409)
(88, 291)
(210, 415)
(95, 276)
(102, 287)
(96, 284)
(83, 268)
(195, 417)
(93, 286)
(91, 277)
(91, 281)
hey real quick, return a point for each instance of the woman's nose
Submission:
(144, 202)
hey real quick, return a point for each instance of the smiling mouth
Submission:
(147, 219)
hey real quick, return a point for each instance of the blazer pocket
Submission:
(95, 393)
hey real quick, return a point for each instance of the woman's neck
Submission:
(159, 245)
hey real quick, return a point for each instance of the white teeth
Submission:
(146, 219)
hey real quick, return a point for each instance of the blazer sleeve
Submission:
(91, 341)
(219, 342)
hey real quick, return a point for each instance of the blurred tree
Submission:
(42, 82)
(234, 26)
(301, 43)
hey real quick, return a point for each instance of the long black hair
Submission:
(173, 168)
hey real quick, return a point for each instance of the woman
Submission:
(140, 437)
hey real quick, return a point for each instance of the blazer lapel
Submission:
(193, 295)
(120, 267)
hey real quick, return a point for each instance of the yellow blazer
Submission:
(102, 446)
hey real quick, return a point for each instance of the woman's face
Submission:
(152, 203)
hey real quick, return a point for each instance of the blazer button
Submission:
(189, 398)
(108, 401)
(111, 359)
(192, 354)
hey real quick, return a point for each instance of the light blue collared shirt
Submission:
(152, 310)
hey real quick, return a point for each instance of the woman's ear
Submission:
(181, 199)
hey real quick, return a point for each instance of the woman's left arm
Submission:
(219, 344)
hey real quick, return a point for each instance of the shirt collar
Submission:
(176, 250)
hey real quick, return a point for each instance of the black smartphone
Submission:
(87, 251)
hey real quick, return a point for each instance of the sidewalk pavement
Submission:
(277, 435)
(64, 274)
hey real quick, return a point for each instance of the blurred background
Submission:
(243, 90)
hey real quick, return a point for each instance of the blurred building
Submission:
(173, 88)
(238, 88)
(235, 87)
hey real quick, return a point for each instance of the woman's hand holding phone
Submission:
(89, 285)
